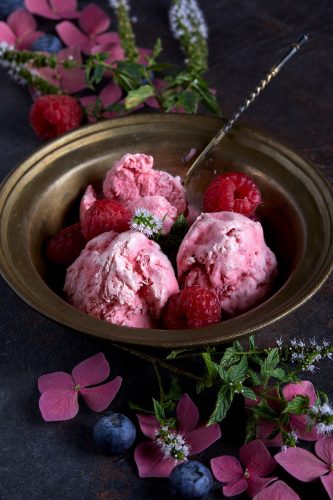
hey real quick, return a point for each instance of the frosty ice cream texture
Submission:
(133, 177)
(226, 252)
(121, 278)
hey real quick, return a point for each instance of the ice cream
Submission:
(159, 206)
(121, 278)
(226, 252)
(87, 201)
(133, 176)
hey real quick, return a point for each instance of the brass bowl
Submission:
(43, 194)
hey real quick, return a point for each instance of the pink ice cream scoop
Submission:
(87, 201)
(226, 252)
(133, 176)
(121, 278)
(159, 206)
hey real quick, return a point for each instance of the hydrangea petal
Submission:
(199, 439)
(277, 491)
(58, 404)
(53, 9)
(227, 469)
(256, 458)
(65, 8)
(110, 94)
(187, 414)
(149, 425)
(98, 398)
(91, 371)
(328, 484)
(21, 22)
(27, 40)
(151, 462)
(6, 34)
(265, 429)
(71, 35)
(256, 484)
(56, 380)
(143, 53)
(74, 79)
(301, 464)
(324, 449)
(111, 38)
(305, 388)
(93, 19)
(232, 489)
(299, 423)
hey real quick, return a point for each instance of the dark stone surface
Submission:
(59, 460)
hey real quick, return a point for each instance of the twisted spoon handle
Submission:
(254, 94)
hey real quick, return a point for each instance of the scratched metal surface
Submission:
(58, 460)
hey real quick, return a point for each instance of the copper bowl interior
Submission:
(43, 193)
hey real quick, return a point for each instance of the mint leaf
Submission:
(223, 403)
(159, 411)
(264, 411)
(297, 406)
(237, 373)
(250, 429)
(270, 362)
(138, 96)
(229, 358)
(248, 393)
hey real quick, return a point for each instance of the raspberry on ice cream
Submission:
(121, 278)
(157, 205)
(133, 177)
(226, 252)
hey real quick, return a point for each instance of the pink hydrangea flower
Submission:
(53, 9)
(70, 80)
(94, 23)
(277, 491)
(110, 94)
(20, 30)
(257, 463)
(60, 390)
(298, 424)
(306, 467)
(169, 447)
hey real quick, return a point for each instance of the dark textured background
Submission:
(58, 460)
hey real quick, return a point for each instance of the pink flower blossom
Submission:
(60, 390)
(94, 23)
(297, 423)
(277, 491)
(70, 80)
(257, 463)
(53, 9)
(19, 30)
(169, 447)
(307, 467)
(110, 94)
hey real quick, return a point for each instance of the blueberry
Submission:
(114, 433)
(8, 6)
(47, 43)
(191, 479)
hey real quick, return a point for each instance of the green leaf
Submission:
(248, 393)
(230, 357)
(173, 354)
(297, 406)
(223, 374)
(211, 368)
(237, 373)
(159, 411)
(264, 411)
(254, 376)
(157, 49)
(252, 345)
(138, 96)
(250, 428)
(223, 403)
(270, 362)
(188, 101)
(134, 406)
(278, 373)
(175, 391)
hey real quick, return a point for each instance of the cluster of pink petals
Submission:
(60, 390)
(297, 423)
(53, 9)
(306, 467)
(277, 491)
(149, 458)
(93, 36)
(109, 95)
(20, 30)
(69, 80)
(257, 463)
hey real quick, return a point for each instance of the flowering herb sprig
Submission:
(146, 222)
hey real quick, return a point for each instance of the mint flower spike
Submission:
(146, 222)
(189, 27)
(321, 416)
(125, 30)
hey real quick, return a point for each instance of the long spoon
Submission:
(254, 94)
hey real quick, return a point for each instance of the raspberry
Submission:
(66, 246)
(105, 215)
(53, 115)
(232, 192)
(193, 307)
